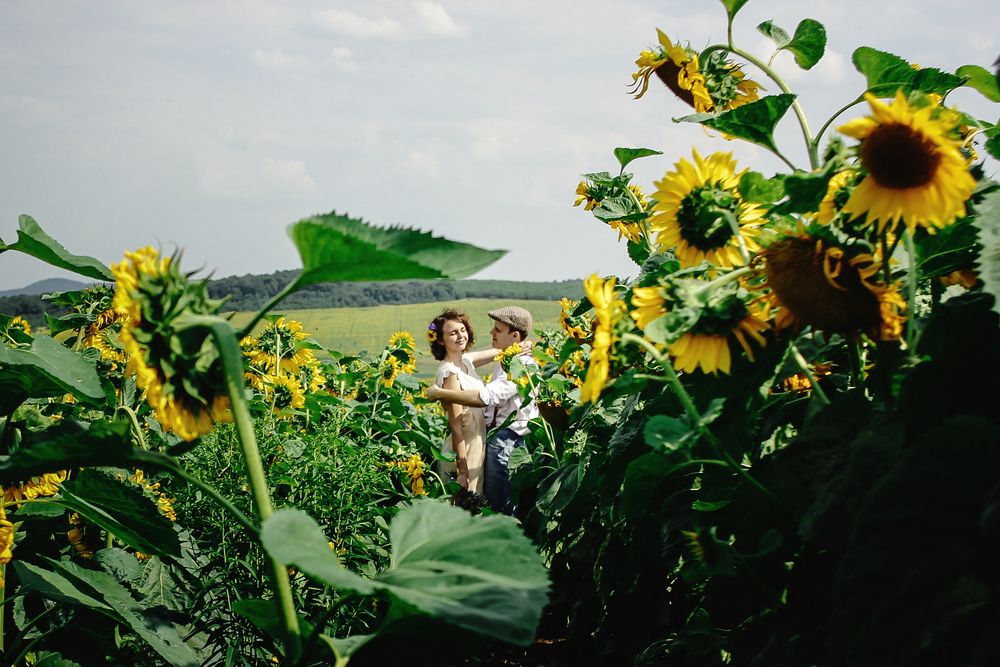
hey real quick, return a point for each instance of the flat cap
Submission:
(513, 316)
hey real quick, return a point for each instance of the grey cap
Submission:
(513, 316)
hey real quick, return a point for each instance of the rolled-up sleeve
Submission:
(497, 392)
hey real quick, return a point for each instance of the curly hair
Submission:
(437, 326)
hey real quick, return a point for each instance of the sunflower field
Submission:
(776, 445)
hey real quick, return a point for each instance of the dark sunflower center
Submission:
(898, 156)
(702, 217)
(667, 73)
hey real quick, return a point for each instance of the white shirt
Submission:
(501, 398)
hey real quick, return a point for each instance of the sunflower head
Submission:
(574, 326)
(831, 286)
(178, 367)
(14, 330)
(915, 171)
(700, 214)
(677, 67)
(726, 83)
(285, 391)
(389, 371)
(609, 311)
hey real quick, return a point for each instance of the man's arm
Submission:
(469, 397)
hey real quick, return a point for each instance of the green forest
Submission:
(250, 292)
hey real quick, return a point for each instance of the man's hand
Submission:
(433, 392)
(463, 480)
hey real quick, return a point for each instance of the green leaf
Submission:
(987, 224)
(981, 79)
(951, 248)
(668, 434)
(732, 7)
(336, 247)
(627, 155)
(31, 240)
(264, 614)
(41, 508)
(992, 145)
(754, 187)
(478, 573)
(754, 122)
(808, 43)
(344, 648)
(777, 35)
(47, 369)
(805, 191)
(162, 636)
(52, 659)
(68, 445)
(55, 587)
(294, 538)
(121, 509)
(886, 73)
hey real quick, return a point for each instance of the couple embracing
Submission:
(474, 407)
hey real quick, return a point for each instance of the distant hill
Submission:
(47, 285)
(250, 292)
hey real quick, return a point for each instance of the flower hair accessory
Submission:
(431, 332)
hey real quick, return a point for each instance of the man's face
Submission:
(502, 335)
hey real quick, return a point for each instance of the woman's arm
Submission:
(454, 412)
(482, 357)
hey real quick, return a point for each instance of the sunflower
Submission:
(568, 322)
(678, 68)
(40, 486)
(832, 287)
(390, 371)
(286, 391)
(402, 340)
(838, 190)
(607, 310)
(649, 305)
(584, 196)
(915, 168)
(694, 208)
(18, 322)
(414, 467)
(706, 84)
(507, 355)
(179, 371)
(7, 532)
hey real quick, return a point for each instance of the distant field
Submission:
(367, 329)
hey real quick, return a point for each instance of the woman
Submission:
(450, 335)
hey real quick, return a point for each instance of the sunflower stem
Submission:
(911, 292)
(769, 71)
(858, 100)
(735, 227)
(886, 255)
(857, 363)
(267, 307)
(134, 421)
(806, 368)
(694, 415)
(723, 279)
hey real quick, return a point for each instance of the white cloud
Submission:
(425, 163)
(436, 21)
(346, 22)
(288, 174)
(343, 58)
(277, 60)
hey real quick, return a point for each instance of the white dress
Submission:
(473, 425)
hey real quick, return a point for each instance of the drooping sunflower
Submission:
(607, 311)
(830, 286)
(285, 390)
(696, 208)
(709, 84)
(915, 169)
(390, 371)
(7, 532)
(179, 370)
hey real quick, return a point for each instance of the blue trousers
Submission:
(495, 472)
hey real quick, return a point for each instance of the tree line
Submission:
(251, 291)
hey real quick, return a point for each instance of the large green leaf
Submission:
(293, 537)
(947, 250)
(987, 224)
(478, 573)
(162, 636)
(32, 240)
(46, 369)
(754, 122)
(805, 191)
(481, 574)
(56, 587)
(121, 509)
(886, 73)
(982, 80)
(68, 445)
(336, 247)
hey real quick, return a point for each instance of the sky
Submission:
(211, 126)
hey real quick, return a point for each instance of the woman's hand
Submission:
(527, 346)
(432, 392)
(463, 480)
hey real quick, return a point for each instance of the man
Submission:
(499, 399)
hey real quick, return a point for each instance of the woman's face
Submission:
(454, 336)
